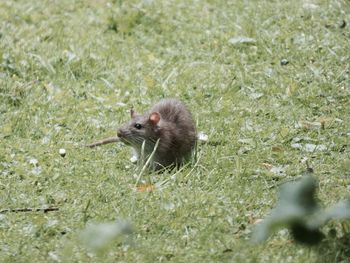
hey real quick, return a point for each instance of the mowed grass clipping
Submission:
(267, 81)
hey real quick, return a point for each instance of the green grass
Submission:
(70, 70)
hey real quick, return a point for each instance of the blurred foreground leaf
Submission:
(98, 236)
(297, 210)
(339, 211)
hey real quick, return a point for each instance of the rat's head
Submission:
(139, 129)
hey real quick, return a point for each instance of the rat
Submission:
(168, 121)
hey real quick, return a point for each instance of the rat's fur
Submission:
(170, 122)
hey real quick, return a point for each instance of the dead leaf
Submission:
(145, 188)
(308, 147)
(267, 166)
(327, 122)
(277, 149)
(308, 125)
(276, 170)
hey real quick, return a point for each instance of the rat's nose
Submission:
(120, 133)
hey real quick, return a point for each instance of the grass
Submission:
(70, 70)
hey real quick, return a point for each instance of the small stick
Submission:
(104, 141)
(16, 210)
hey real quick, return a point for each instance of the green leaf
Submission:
(339, 211)
(296, 205)
(99, 236)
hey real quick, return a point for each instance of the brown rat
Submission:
(169, 121)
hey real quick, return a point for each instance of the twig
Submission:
(16, 210)
(104, 141)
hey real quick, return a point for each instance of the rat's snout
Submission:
(124, 135)
(119, 133)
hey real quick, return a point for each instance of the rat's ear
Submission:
(154, 118)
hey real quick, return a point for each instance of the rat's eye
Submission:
(138, 126)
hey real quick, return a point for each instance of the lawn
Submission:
(267, 81)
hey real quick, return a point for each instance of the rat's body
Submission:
(171, 123)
